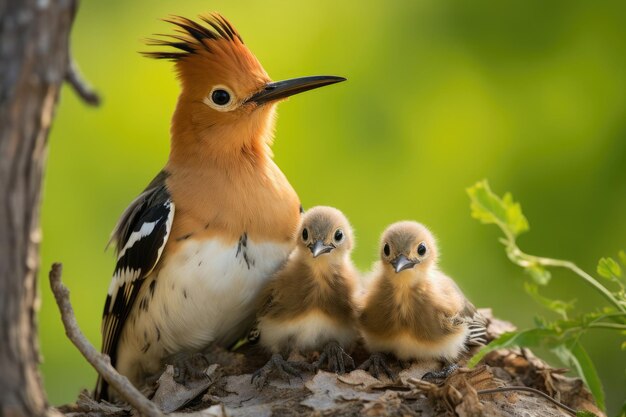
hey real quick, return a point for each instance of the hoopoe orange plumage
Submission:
(197, 245)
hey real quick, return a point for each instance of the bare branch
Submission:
(532, 390)
(100, 362)
(80, 86)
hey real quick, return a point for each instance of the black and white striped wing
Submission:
(477, 325)
(476, 322)
(143, 230)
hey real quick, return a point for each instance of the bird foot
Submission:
(443, 374)
(189, 367)
(276, 363)
(337, 360)
(376, 363)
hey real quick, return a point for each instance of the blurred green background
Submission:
(529, 94)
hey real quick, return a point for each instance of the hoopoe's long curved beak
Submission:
(283, 89)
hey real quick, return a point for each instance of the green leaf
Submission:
(558, 306)
(491, 209)
(608, 268)
(515, 218)
(539, 274)
(585, 413)
(524, 338)
(575, 356)
(622, 257)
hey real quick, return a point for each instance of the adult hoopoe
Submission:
(199, 242)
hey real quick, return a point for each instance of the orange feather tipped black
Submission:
(193, 36)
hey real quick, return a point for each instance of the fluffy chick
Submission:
(412, 309)
(310, 304)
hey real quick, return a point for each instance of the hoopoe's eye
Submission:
(220, 97)
(386, 249)
(338, 235)
(305, 234)
(421, 249)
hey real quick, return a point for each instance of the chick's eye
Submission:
(386, 249)
(305, 234)
(421, 249)
(220, 97)
(338, 235)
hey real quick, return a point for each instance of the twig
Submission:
(80, 86)
(100, 362)
(528, 389)
(419, 384)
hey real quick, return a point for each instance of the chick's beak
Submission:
(318, 248)
(283, 89)
(402, 262)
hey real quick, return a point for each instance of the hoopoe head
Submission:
(408, 245)
(227, 99)
(325, 233)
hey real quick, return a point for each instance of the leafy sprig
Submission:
(562, 336)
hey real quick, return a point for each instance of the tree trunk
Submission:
(34, 37)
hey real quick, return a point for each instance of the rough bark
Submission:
(34, 62)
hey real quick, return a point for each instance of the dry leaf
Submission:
(171, 396)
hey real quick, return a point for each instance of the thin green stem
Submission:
(592, 325)
(612, 326)
(525, 260)
(591, 280)
(608, 316)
